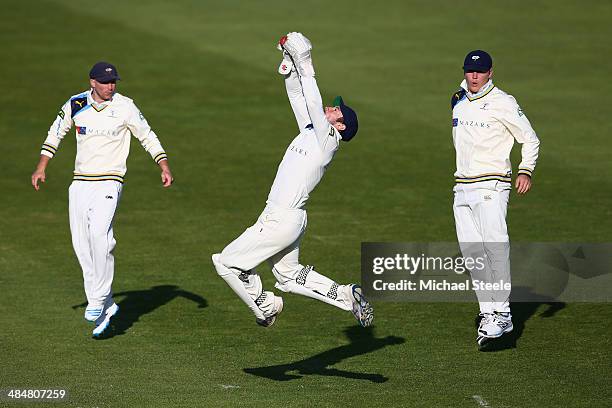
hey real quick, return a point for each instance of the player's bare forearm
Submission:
(166, 174)
(39, 173)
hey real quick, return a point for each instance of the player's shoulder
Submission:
(457, 96)
(80, 98)
(502, 97)
(331, 140)
(124, 103)
(75, 103)
(122, 99)
(80, 95)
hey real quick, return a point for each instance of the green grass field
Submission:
(204, 75)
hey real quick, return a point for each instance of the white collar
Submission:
(480, 92)
(97, 105)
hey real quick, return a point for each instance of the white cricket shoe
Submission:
(362, 310)
(104, 321)
(481, 319)
(92, 313)
(494, 325)
(278, 308)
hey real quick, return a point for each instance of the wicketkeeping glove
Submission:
(298, 47)
(286, 65)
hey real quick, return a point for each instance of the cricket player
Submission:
(275, 237)
(103, 120)
(486, 121)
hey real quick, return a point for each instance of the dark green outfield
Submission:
(204, 74)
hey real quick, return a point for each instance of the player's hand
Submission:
(166, 174)
(38, 175)
(298, 47)
(166, 178)
(523, 184)
(286, 65)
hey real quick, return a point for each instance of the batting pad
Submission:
(237, 286)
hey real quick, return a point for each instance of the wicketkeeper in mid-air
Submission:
(276, 235)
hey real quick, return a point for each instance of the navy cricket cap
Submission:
(349, 119)
(477, 60)
(104, 72)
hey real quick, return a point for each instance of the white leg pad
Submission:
(293, 287)
(236, 285)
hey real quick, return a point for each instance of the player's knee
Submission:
(495, 240)
(100, 236)
(222, 265)
(219, 267)
(111, 245)
(284, 274)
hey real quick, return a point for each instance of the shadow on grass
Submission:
(137, 303)
(521, 313)
(362, 341)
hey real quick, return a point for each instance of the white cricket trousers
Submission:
(480, 218)
(92, 206)
(275, 238)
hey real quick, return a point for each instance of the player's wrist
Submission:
(41, 168)
(305, 68)
(163, 164)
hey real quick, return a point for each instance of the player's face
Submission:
(333, 114)
(103, 92)
(476, 80)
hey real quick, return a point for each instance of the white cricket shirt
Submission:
(309, 154)
(103, 135)
(485, 126)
